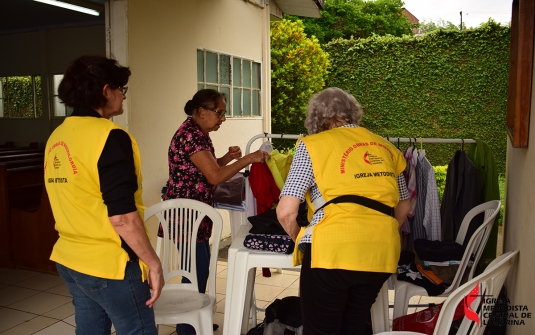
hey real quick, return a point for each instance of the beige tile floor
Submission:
(38, 303)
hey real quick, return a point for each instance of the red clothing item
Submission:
(263, 187)
(266, 192)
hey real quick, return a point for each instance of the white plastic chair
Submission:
(182, 303)
(490, 283)
(240, 282)
(403, 290)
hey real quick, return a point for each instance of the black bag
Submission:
(258, 330)
(283, 317)
(232, 191)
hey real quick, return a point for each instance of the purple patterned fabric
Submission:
(267, 242)
(185, 179)
(410, 176)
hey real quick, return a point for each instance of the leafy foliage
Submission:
(18, 98)
(357, 18)
(440, 174)
(447, 84)
(427, 27)
(298, 70)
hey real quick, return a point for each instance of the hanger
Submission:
(398, 144)
(462, 145)
(421, 144)
(279, 147)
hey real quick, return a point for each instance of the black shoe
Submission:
(215, 326)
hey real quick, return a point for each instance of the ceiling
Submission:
(29, 15)
(308, 8)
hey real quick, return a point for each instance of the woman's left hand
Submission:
(234, 152)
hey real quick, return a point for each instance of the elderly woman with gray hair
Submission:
(357, 198)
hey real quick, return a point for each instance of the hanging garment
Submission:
(410, 177)
(266, 146)
(483, 159)
(279, 165)
(461, 193)
(431, 218)
(263, 187)
(417, 227)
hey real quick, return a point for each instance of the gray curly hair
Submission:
(331, 107)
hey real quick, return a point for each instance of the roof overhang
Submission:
(308, 8)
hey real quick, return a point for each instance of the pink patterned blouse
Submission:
(185, 179)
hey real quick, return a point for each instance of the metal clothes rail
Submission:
(415, 140)
(429, 140)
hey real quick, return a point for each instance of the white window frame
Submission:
(54, 95)
(5, 107)
(232, 86)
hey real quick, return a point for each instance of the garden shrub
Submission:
(446, 84)
(298, 70)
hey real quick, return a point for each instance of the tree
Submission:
(298, 70)
(357, 18)
(426, 27)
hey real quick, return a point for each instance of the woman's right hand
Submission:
(258, 156)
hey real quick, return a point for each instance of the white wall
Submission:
(43, 52)
(519, 225)
(163, 38)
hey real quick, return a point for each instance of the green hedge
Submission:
(447, 84)
(17, 97)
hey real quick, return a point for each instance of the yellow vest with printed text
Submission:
(87, 242)
(351, 236)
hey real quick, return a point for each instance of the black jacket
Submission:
(461, 193)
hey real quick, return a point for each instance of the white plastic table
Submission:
(241, 271)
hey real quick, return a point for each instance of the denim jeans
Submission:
(203, 270)
(99, 302)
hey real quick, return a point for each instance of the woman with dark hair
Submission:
(93, 180)
(352, 244)
(194, 170)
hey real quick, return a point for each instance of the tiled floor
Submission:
(37, 303)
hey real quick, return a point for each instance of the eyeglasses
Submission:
(219, 113)
(123, 89)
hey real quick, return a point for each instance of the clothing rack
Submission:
(266, 135)
(398, 140)
(391, 139)
(430, 140)
(414, 140)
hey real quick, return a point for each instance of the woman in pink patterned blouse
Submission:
(194, 170)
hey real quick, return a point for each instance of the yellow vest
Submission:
(351, 236)
(87, 241)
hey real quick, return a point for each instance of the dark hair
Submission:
(206, 98)
(85, 78)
